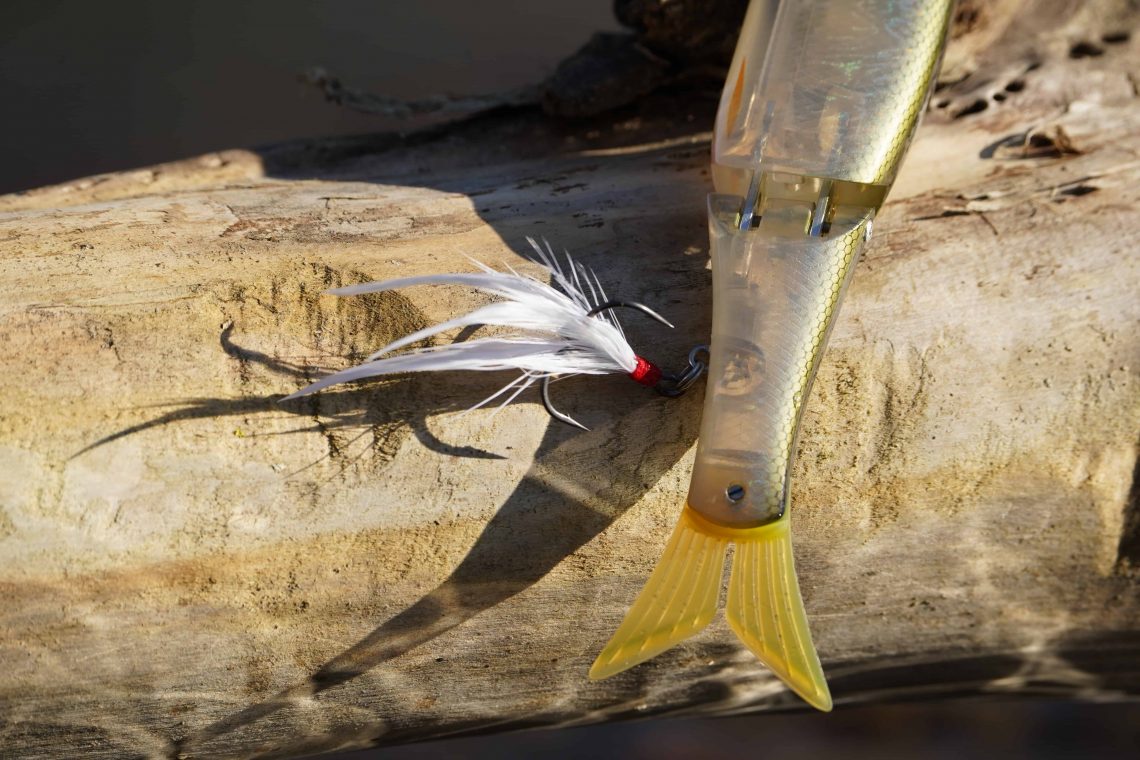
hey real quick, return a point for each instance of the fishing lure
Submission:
(821, 102)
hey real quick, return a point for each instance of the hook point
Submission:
(560, 416)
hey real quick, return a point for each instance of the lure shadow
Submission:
(343, 410)
(551, 514)
(538, 526)
(553, 511)
(358, 406)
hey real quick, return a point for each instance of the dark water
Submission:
(92, 87)
(89, 87)
(933, 730)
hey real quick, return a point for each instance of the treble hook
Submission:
(671, 385)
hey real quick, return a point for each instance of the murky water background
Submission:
(94, 87)
(935, 731)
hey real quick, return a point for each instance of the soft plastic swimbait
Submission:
(821, 102)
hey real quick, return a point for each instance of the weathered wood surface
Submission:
(192, 569)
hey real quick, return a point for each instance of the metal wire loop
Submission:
(675, 384)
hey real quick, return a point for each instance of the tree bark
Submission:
(193, 569)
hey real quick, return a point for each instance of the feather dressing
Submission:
(556, 335)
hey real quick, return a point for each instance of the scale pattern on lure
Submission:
(820, 105)
(822, 99)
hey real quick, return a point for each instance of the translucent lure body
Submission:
(821, 102)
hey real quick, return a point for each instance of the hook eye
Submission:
(675, 384)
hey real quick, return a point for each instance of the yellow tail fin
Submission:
(767, 613)
(764, 605)
(678, 600)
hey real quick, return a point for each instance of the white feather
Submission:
(556, 334)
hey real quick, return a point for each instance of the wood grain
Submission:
(192, 569)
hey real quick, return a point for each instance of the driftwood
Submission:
(191, 569)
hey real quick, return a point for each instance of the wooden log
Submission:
(192, 569)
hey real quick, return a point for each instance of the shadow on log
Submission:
(192, 569)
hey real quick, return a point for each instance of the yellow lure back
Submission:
(821, 102)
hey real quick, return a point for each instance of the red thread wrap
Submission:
(646, 372)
